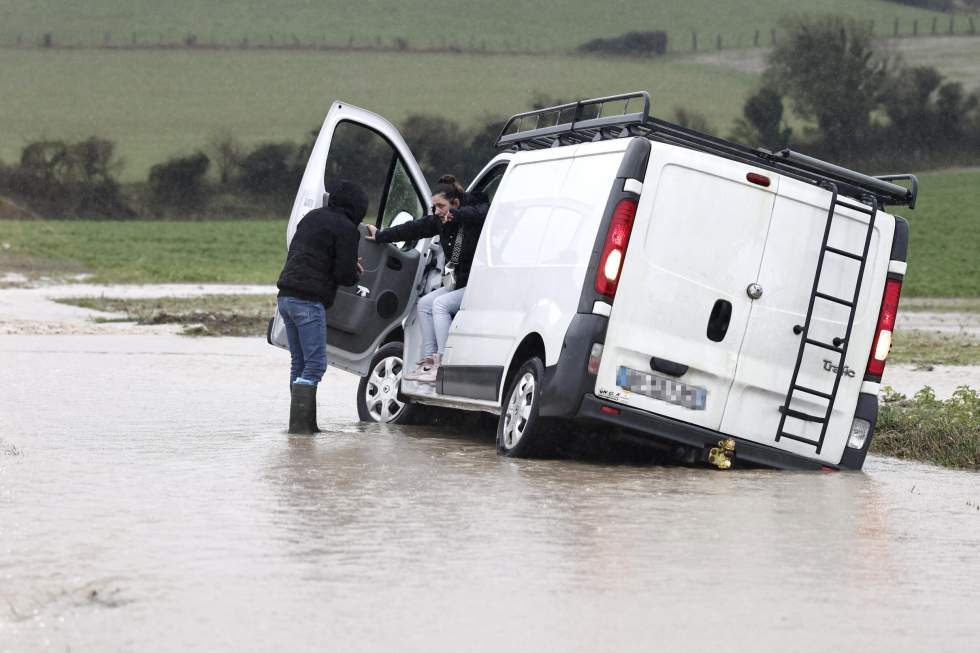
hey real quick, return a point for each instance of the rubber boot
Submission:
(302, 410)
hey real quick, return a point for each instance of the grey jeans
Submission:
(436, 311)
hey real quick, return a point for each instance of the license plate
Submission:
(664, 389)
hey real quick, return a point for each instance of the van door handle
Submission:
(394, 263)
(668, 367)
(721, 315)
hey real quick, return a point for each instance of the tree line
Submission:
(862, 107)
(859, 107)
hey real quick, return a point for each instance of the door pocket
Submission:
(721, 316)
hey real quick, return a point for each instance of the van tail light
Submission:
(886, 324)
(614, 250)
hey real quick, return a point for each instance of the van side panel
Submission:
(770, 349)
(533, 254)
(696, 244)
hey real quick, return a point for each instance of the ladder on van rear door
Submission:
(839, 345)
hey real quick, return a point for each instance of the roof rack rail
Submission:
(628, 115)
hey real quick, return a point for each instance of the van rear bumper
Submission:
(693, 436)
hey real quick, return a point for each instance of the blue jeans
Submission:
(306, 332)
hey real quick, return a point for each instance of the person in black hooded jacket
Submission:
(322, 255)
(457, 219)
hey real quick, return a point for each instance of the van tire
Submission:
(377, 393)
(520, 432)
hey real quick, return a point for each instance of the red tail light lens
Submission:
(614, 250)
(886, 324)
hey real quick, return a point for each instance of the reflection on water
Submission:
(150, 500)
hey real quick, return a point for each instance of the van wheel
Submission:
(377, 393)
(519, 429)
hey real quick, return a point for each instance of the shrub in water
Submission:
(926, 428)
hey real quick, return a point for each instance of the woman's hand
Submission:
(371, 231)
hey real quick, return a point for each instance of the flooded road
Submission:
(150, 500)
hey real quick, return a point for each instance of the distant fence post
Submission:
(718, 41)
(772, 36)
(755, 39)
(951, 19)
(896, 27)
(871, 28)
(694, 41)
(935, 23)
(915, 27)
(973, 27)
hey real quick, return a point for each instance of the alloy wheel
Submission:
(518, 410)
(381, 394)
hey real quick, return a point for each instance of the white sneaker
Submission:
(430, 371)
(419, 367)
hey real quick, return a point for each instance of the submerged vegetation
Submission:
(923, 348)
(945, 432)
(213, 315)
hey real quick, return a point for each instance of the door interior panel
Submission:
(355, 319)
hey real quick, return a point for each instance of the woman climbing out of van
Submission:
(457, 218)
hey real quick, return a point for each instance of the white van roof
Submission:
(628, 115)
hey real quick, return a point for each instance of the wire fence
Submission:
(678, 41)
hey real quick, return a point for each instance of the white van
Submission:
(734, 304)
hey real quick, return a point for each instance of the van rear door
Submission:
(771, 345)
(681, 307)
(361, 146)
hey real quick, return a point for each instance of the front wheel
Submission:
(519, 430)
(377, 393)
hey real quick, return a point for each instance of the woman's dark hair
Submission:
(448, 187)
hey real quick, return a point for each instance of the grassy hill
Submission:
(504, 24)
(154, 104)
(160, 102)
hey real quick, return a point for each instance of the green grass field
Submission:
(503, 24)
(246, 251)
(160, 103)
(944, 242)
(943, 253)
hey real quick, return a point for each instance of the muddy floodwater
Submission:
(150, 500)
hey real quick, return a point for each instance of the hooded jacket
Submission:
(323, 252)
(467, 223)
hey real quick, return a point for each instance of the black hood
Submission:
(347, 198)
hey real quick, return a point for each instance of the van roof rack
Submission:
(628, 115)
